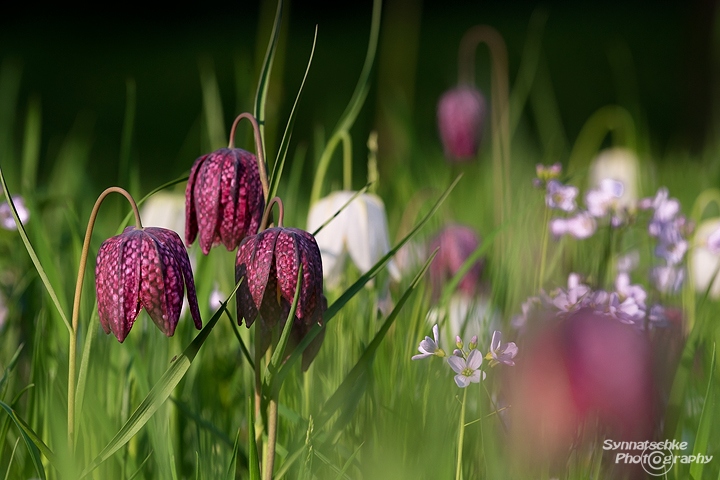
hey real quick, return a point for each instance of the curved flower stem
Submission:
(610, 118)
(499, 103)
(324, 163)
(266, 216)
(258, 147)
(461, 437)
(76, 303)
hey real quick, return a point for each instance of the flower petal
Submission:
(474, 360)
(191, 224)
(207, 201)
(462, 381)
(456, 363)
(172, 241)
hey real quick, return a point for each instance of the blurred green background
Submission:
(653, 58)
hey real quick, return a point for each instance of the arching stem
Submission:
(268, 209)
(499, 103)
(340, 136)
(258, 147)
(76, 303)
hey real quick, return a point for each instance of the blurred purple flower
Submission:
(6, 219)
(269, 263)
(546, 173)
(468, 371)
(461, 117)
(561, 196)
(667, 278)
(604, 199)
(143, 269)
(569, 301)
(626, 290)
(224, 200)
(501, 352)
(456, 244)
(580, 226)
(430, 346)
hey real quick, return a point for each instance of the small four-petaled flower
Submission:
(501, 352)
(468, 371)
(430, 346)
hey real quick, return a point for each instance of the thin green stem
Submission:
(258, 147)
(76, 304)
(543, 257)
(272, 437)
(324, 163)
(461, 437)
(347, 160)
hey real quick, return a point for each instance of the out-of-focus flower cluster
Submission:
(626, 303)
(602, 202)
(466, 361)
(670, 228)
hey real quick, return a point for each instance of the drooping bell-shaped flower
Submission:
(360, 230)
(456, 243)
(706, 258)
(143, 268)
(269, 263)
(224, 200)
(461, 116)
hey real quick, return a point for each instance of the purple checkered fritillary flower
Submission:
(461, 116)
(224, 200)
(143, 268)
(269, 263)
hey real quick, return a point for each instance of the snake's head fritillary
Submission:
(461, 116)
(224, 199)
(143, 268)
(269, 262)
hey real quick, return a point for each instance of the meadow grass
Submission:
(363, 409)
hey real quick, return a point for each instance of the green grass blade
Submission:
(233, 460)
(139, 470)
(10, 367)
(264, 81)
(353, 109)
(678, 389)
(341, 473)
(253, 458)
(279, 352)
(84, 365)
(706, 424)
(212, 105)
(34, 444)
(285, 143)
(12, 457)
(360, 283)
(33, 255)
(159, 393)
(361, 89)
(347, 394)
